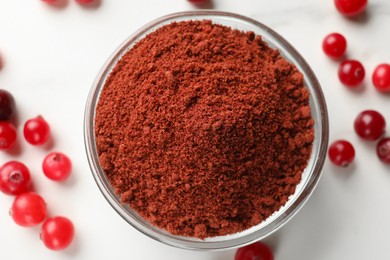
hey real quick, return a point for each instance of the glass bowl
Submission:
(310, 176)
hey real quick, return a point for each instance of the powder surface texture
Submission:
(204, 130)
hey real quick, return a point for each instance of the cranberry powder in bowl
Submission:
(203, 130)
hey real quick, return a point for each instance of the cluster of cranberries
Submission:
(369, 124)
(351, 72)
(29, 208)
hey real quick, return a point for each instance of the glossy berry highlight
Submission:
(370, 125)
(341, 153)
(381, 77)
(36, 131)
(57, 166)
(57, 233)
(351, 7)
(255, 251)
(28, 209)
(383, 150)
(7, 135)
(351, 73)
(14, 178)
(7, 105)
(334, 45)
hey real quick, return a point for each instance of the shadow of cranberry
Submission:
(15, 118)
(58, 4)
(49, 145)
(93, 5)
(205, 5)
(71, 181)
(358, 90)
(1, 62)
(16, 149)
(32, 187)
(361, 19)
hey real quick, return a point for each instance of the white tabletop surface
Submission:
(50, 57)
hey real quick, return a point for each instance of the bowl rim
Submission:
(182, 242)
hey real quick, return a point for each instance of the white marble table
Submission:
(51, 56)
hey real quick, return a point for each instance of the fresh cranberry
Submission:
(57, 166)
(334, 45)
(255, 251)
(7, 135)
(341, 153)
(7, 105)
(28, 209)
(351, 73)
(381, 77)
(370, 125)
(383, 150)
(36, 131)
(57, 233)
(14, 178)
(351, 7)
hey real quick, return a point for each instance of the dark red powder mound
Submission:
(204, 130)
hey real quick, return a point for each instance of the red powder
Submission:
(204, 130)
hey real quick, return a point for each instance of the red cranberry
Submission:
(370, 125)
(381, 77)
(7, 135)
(258, 250)
(334, 45)
(341, 153)
(351, 73)
(7, 105)
(351, 7)
(383, 150)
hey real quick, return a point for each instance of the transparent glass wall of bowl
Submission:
(310, 176)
